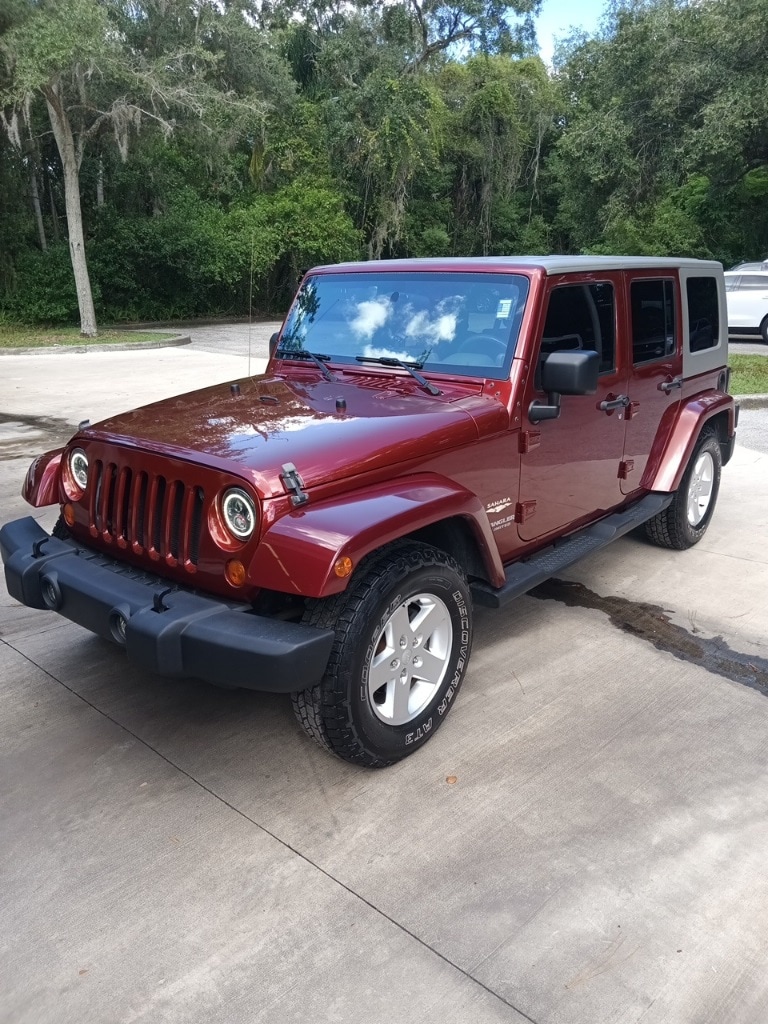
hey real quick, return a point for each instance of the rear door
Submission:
(653, 343)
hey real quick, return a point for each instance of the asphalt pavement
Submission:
(582, 843)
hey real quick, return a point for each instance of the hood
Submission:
(327, 430)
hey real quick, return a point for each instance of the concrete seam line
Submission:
(272, 835)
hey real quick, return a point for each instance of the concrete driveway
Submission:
(583, 842)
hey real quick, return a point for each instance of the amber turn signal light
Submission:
(69, 514)
(343, 567)
(235, 572)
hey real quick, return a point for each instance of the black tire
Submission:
(673, 527)
(342, 713)
(764, 330)
(61, 530)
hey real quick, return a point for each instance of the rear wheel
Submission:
(685, 521)
(403, 637)
(764, 330)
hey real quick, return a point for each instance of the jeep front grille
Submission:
(146, 512)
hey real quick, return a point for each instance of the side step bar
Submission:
(522, 576)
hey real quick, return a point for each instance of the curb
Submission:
(752, 401)
(81, 349)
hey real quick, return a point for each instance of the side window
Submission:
(703, 313)
(582, 316)
(754, 282)
(653, 320)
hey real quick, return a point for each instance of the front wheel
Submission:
(403, 638)
(685, 521)
(764, 330)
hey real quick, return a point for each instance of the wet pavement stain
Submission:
(652, 623)
(24, 436)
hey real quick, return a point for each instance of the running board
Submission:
(522, 576)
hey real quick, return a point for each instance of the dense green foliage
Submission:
(222, 148)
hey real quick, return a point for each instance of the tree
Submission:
(99, 69)
(502, 114)
(672, 169)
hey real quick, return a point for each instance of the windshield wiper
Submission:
(318, 358)
(410, 367)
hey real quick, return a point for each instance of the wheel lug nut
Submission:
(395, 663)
(403, 641)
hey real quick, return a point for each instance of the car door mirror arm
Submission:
(538, 411)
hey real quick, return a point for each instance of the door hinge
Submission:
(625, 468)
(528, 440)
(524, 510)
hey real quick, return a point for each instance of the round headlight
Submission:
(239, 513)
(78, 465)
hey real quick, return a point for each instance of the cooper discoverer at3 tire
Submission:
(685, 521)
(403, 639)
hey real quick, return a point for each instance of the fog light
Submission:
(69, 514)
(51, 593)
(343, 567)
(235, 572)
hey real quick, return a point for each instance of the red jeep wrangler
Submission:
(429, 434)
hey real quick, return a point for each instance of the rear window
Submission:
(703, 313)
(653, 320)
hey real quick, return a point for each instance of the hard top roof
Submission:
(549, 264)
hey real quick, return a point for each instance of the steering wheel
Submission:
(485, 344)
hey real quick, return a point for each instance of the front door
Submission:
(569, 467)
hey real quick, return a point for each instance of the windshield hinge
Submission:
(293, 484)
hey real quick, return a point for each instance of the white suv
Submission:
(747, 299)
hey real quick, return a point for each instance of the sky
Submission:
(558, 16)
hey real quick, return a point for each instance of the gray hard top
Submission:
(550, 264)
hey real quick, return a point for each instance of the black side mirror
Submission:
(565, 373)
(273, 343)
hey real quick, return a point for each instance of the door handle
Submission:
(620, 402)
(670, 385)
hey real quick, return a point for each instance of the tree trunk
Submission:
(100, 184)
(36, 207)
(54, 211)
(62, 132)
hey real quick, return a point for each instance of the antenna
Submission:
(250, 306)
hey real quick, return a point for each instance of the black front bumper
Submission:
(163, 628)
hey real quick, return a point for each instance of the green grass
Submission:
(749, 375)
(17, 336)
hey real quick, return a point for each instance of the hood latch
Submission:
(293, 484)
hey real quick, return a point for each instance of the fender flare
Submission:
(41, 484)
(297, 554)
(691, 418)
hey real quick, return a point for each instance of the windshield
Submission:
(447, 322)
